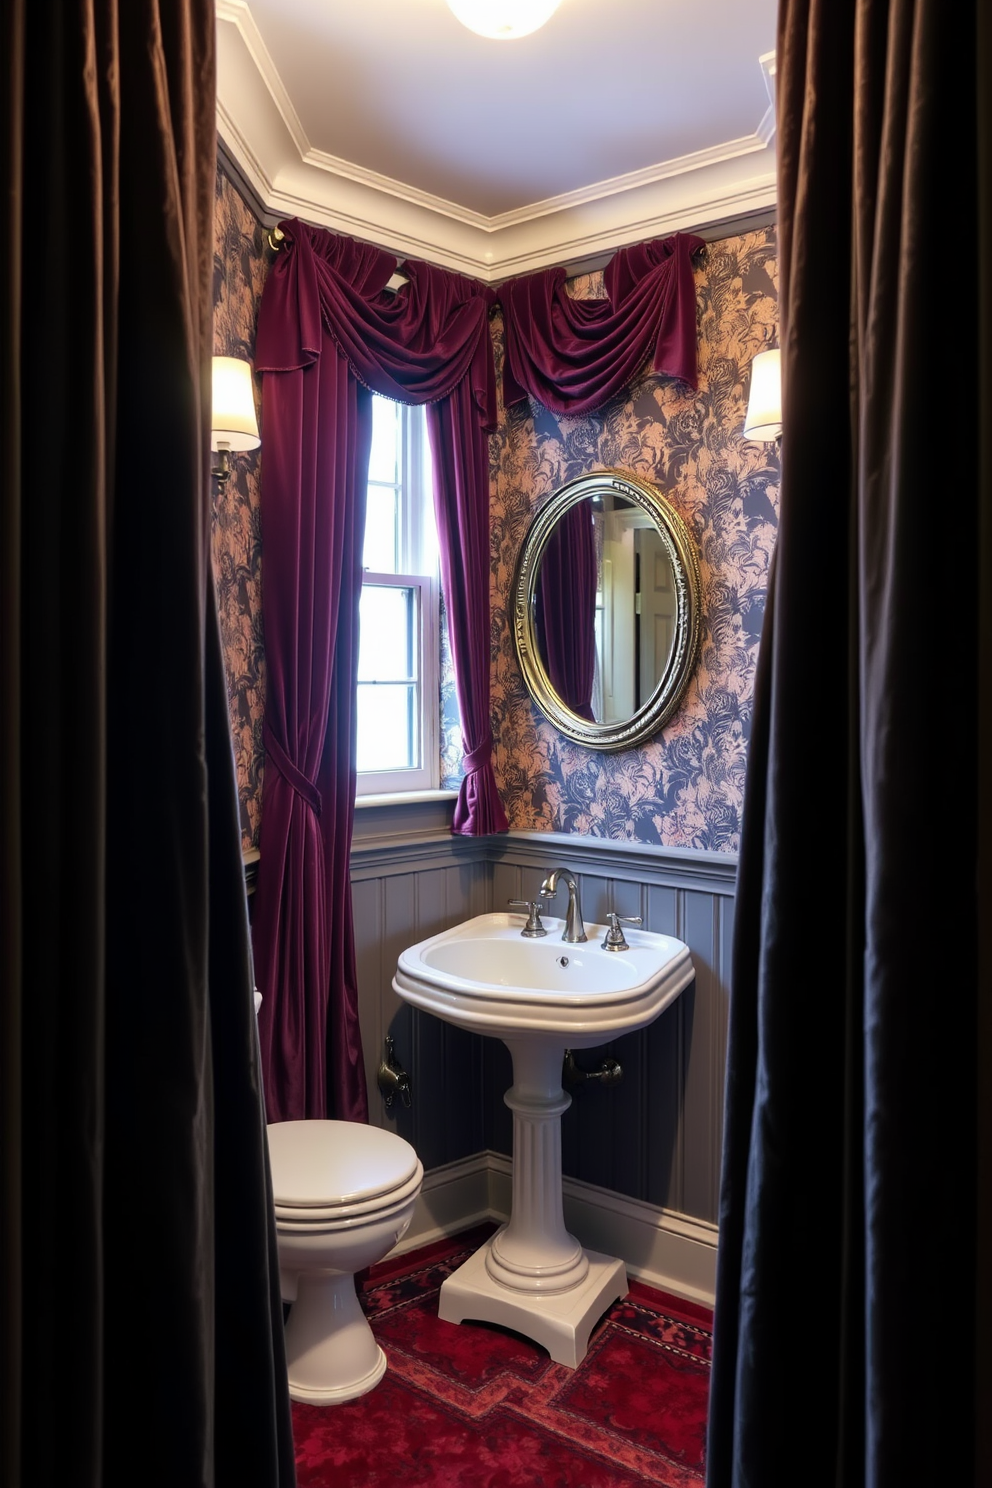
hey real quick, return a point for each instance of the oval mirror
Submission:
(606, 609)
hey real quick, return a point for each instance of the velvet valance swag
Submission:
(573, 355)
(330, 334)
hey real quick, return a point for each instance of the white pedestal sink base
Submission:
(540, 997)
(561, 1322)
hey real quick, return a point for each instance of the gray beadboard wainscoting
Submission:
(641, 1158)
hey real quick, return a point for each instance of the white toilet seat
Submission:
(305, 1217)
(333, 1172)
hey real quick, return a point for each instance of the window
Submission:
(398, 748)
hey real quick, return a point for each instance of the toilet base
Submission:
(561, 1322)
(331, 1353)
(309, 1396)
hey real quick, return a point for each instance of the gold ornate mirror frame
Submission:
(607, 488)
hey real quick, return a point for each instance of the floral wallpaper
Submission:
(241, 259)
(684, 788)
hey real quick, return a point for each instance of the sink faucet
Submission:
(574, 931)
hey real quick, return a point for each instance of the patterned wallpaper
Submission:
(685, 787)
(241, 260)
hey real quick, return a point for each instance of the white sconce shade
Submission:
(503, 20)
(764, 404)
(233, 422)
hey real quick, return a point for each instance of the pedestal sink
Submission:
(541, 997)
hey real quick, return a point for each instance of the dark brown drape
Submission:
(850, 1215)
(142, 1320)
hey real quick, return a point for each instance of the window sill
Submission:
(405, 798)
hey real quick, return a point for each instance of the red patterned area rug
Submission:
(478, 1406)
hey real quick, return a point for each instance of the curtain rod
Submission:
(275, 236)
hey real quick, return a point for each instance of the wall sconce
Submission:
(232, 420)
(503, 20)
(764, 404)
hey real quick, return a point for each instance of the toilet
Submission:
(344, 1195)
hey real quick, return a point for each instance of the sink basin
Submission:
(483, 975)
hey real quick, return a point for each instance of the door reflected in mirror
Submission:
(607, 609)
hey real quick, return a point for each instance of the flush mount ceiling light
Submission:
(503, 20)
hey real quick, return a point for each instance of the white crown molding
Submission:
(238, 16)
(262, 132)
(766, 129)
(565, 239)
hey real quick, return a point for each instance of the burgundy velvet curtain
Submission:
(457, 428)
(329, 334)
(854, 1213)
(318, 431)
(565, 609)
(574, 355)
(142, 1322)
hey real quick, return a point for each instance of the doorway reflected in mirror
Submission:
(606, 621)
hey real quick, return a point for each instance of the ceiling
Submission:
(618, 121)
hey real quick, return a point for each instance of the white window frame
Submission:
(415, 490)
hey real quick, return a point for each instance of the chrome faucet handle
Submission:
(614, 940)
(533, 927)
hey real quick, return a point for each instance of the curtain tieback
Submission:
(476, 759)
(301, 785)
